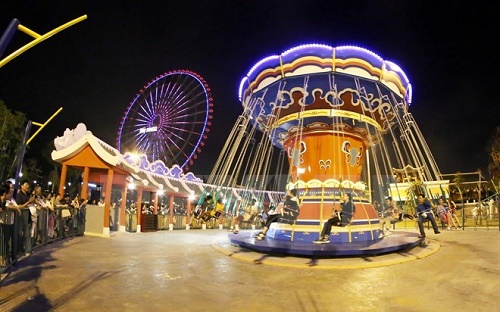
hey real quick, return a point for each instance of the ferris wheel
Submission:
(168, 119)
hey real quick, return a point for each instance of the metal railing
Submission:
(179, 222)
(21, 232)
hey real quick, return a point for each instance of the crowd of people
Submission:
(286, 211)
(426, 210)
(35, 200)
(31, 216)
(440, 210)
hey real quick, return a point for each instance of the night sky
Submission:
(95, 68)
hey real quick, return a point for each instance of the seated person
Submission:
(391, 215)
(249, 215)
(340, 218)
(265, 213)
(453, 216)
(291, 206)
(219, 209)
(404, 215)
(424, 212)
(272, 216)
(288, 210)
(442, 210)
(203, 212)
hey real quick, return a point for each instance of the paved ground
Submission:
(199, 270)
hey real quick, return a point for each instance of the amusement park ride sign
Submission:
(148, 129)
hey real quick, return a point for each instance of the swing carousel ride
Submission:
(326, 121)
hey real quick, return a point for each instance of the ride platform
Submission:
(398, 241)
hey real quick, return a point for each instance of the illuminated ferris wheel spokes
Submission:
(169, 119)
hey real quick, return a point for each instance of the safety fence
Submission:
(22, 231)
(467, 216)
(162, 222)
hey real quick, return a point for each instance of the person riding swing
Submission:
(339, 218)
(202, 211)
(287, 211)
(291, 207)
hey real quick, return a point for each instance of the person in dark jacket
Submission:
(424, 212)
(288, 210)
(339, 218)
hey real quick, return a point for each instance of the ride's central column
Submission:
(323, 165)
(326, 155)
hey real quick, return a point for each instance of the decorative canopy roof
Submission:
(139, 170)
(150, 175)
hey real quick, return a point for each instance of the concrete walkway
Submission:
(199, 270)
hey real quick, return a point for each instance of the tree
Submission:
(456, 190)
(54, 174)
(12, 126)
(31, 170)
(416, 187)
(74, 179)
(494, 151)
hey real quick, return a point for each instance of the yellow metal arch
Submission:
(38, 38)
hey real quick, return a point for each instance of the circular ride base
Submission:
(344, 241)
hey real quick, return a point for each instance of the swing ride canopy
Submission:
(305, 85)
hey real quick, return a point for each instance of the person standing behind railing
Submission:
(40, 218)
(9, 185)
(452, 218)
(23, 196)
(25, 199)
(61, 213)
(7, 210)
(475, 213)
(80, 217)
(491, 206)
(51, 215)
(75, 212)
